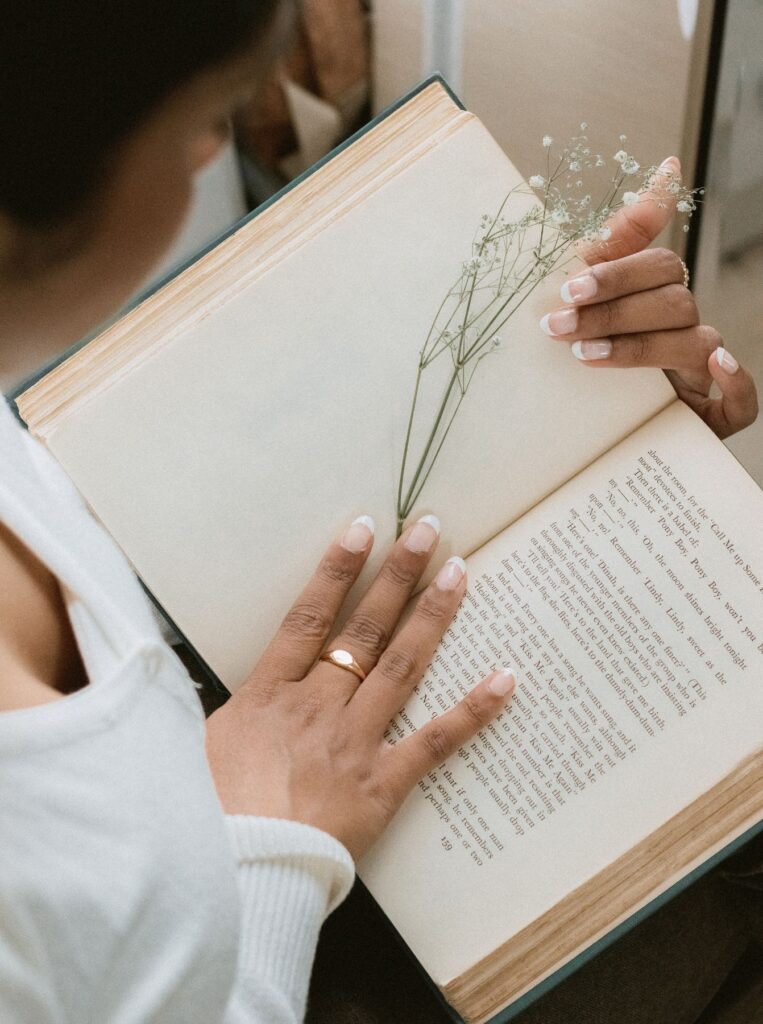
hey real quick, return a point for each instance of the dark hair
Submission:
(77, 75)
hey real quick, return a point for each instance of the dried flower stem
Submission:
(497, 268)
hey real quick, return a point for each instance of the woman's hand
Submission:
(632, 309)
(304, 739)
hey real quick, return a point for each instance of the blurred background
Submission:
(677, 76)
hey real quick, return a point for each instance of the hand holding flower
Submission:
(632, 308)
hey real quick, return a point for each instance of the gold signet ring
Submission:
(344, 660)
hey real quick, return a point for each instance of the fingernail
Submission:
(579, 288)
(423, 535)
(502, 683)
(563, 321)
(358, 534)
(451, 573)
(585, 350)
(670, 163)
(726, 361)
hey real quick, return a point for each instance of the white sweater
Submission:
(126, 895)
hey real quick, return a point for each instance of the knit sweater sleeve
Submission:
(291, 876)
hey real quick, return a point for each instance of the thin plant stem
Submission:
(432, 434)
(415, 497)
(509, 282)
(407, 441)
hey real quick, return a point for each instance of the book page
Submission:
(631, 604)
(225, 462)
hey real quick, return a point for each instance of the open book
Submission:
(229, 425)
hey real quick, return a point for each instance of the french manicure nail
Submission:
(422, 536)
(502, 683)
(586, 350)
(563, 321)
(358, 534)
(451, 574)
(670, 163)
(726, 361)
(579, 288)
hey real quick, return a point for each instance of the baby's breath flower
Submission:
(512, 254)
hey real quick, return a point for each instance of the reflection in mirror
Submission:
(729, 268)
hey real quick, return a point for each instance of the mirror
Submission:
(728, 277)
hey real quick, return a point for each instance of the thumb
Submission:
(737, 407)
(635, 227)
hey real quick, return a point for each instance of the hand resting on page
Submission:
(303, 739)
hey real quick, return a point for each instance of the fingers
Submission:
(682, 349)
(368, 630)
(737, 407)
(692, 357)
(639, 272)
(670, 306)
(308, 623)
(402, 664)
(633, 228)
(434, 742)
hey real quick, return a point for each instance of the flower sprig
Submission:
(508, 260)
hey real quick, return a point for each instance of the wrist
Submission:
(301, 847)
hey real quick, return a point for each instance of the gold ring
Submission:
(343, 659)
(686, 273)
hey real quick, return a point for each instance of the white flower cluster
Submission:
(628, 164)
(568, 203)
